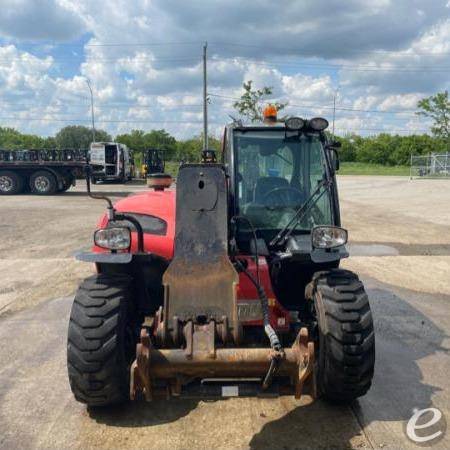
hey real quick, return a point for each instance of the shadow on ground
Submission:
(141, 413)
(403, 336)
(107, 193)
(317, 426)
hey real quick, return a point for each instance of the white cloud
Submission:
(407, 38)
(43, 19)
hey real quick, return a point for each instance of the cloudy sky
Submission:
(143, 58)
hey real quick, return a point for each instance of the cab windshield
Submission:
(276, 175)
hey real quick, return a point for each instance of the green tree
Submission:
(139, 140)
(190, 150)
(249, 105)
(437, 108)
(12, 139)
(134, 140)
(348, 150)
(162, 140)
(79, 137)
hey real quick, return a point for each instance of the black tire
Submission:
(43, 183)
(346, 339)
(67, 183)
(100, 345)
(66, 186)
(11, 183)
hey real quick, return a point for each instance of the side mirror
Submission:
(334, 156)
(335, 159)
(334, 144)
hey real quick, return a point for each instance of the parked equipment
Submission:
(229, 285)
(42, 172)
(153, 162)
(111, 161)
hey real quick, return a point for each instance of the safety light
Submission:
(318, 123)
(328, 236)
(159, 181)
(113, 238)
(270, 113)
(294, 123)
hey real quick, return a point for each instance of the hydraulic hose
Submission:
(275, 343)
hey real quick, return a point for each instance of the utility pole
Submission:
(334, 107)
(205, 101)
(92, 109)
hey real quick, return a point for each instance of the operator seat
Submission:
(266, 184)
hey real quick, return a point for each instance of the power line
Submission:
(196, 59)
(130, 105)
(41, 119)
(410, 112)
(104, 105)
(384, 130)
(336, 66)
(298, 50)
(347, 50)
(124, 107)
(106, 44)
(89, 58)
(192, 122)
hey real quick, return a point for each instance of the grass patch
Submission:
(356, 168)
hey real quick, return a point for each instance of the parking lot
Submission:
(400, 245)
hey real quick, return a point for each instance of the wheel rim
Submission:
(41, 183)
(6, 183)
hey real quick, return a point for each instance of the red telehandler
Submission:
(228, 285)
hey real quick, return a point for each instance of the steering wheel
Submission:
(282, 196)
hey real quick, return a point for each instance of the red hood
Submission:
(154, 203)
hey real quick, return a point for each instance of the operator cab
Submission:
(284, 196)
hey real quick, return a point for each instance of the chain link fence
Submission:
(430, 166)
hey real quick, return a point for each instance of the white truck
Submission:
(111, 161)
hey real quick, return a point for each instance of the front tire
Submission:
(101, 346)
(346, 337)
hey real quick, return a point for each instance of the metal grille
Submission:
(430, 166)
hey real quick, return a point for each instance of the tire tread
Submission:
(347, 341)
(97, 365)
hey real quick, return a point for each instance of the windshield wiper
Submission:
(285, 232)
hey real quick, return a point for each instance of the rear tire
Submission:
(101, 346)
(67, 183)
(43, 183)
(11, 183)
(346, 350)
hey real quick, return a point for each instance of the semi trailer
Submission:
(47, 172)
(42, 172)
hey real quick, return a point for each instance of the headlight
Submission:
(318, 123)
(328, 237)
(113, 238)
(294, 123)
